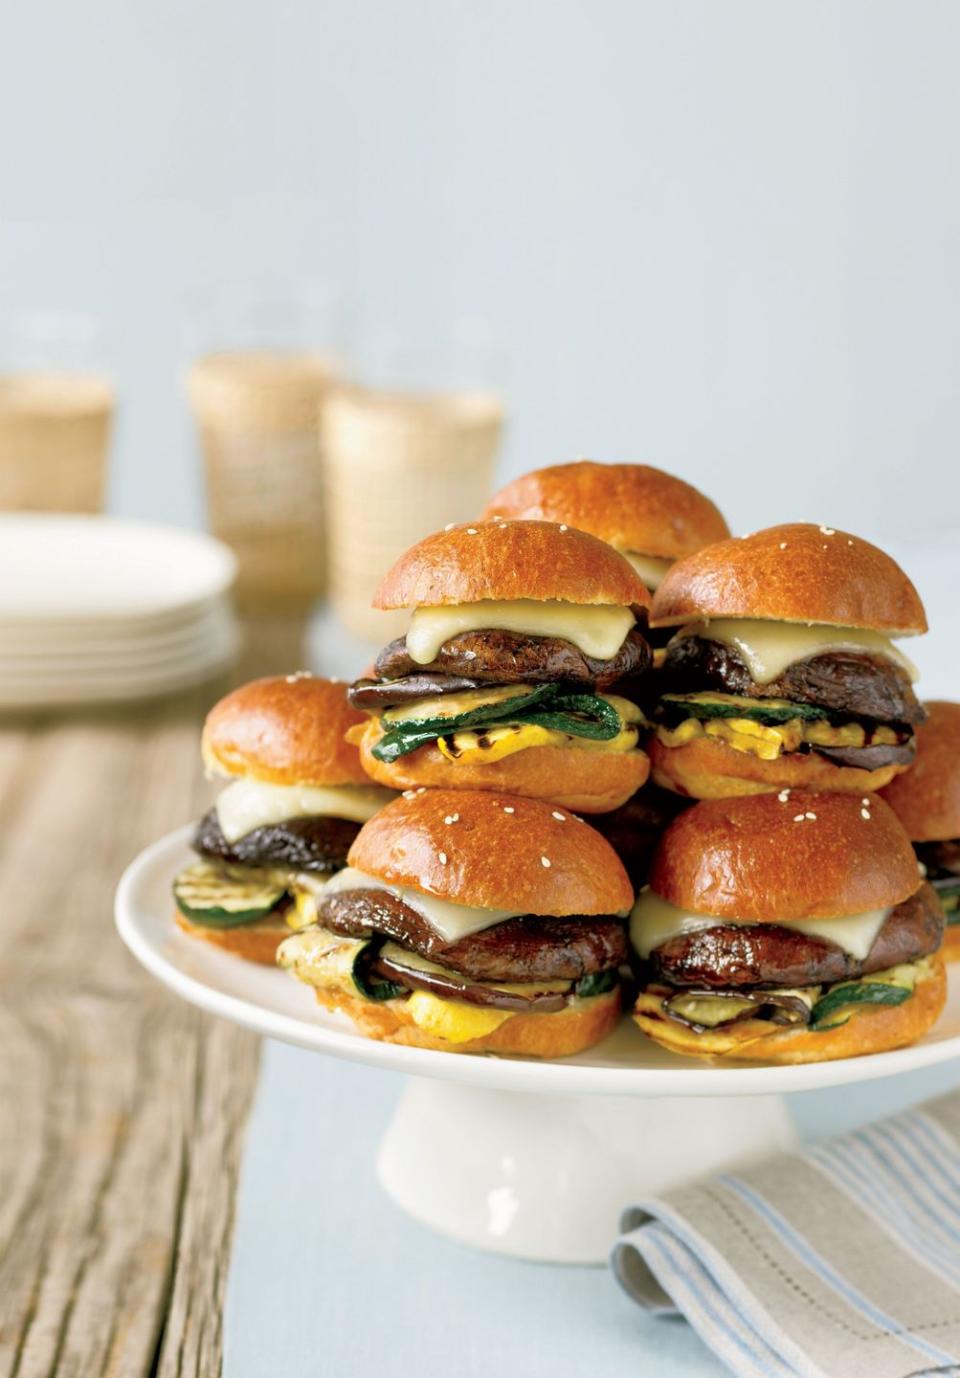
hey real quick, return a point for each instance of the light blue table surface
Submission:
(329, 1278)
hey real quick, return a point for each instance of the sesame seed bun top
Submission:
(926, 798)
(793, 573)
(508, 561)
(632, 506)
(493, 851)
(285, 730)
(793, 855)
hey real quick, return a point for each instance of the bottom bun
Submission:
(950, 951)
(255, 942)
(523, 1035)
(708, 769)
(576, 778)
(871, 1029)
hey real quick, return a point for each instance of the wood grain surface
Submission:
(122, 1109)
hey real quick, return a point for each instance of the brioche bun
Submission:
(706, 768)
(511, 560)
(926, 798)
(793, 573)
(499, 852)
(587, 781)
(568, 1031)
(760, 859)
(254, 942)
(285, 730)
(870, 1029)
(632, 506)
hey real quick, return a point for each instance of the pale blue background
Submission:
(719, 237)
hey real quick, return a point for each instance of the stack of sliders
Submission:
(519, 671)
(286, 822)
(783, 671)
(472, 922)
(785, 918)
(789, 927)
(926, 799)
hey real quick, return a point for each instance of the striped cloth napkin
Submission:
(839, 1262)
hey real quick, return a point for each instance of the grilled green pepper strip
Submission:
(598, 983)
(857, 993)
(577, 715)
(760, 712)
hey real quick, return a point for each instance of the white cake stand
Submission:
(533, 1159)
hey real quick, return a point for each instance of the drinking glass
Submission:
(56, 411)
(262, 367)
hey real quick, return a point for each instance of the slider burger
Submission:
(472, 922)
(648, 515)
(926, 799)
(790, 927)
(285, 824)
(518, 670)
(782, 672)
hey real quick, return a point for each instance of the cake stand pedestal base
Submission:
(546, 1177)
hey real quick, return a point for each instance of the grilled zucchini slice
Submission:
(206, 895)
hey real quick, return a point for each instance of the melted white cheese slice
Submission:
(767, 648)
(451, 921)
(654, 921)
(249, 804)
(598, 630)
(649, 567)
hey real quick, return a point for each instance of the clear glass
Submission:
(263, 358)
(57, 402)
(410, 444)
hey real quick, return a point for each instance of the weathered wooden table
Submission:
(122, 1109)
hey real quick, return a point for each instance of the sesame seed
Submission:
(865, 813)
(298, 674)
(449, 526)
(422, 789)
(828, 531)
(798, 818)
(442, 858)
(508, 808)
(469, 655)
(783, 545)
(865, 801)
(811, 816)
(409, 794)
(849, 542)
(545, 861)
(783, 796)
(560, 817)
(451, 818)
(471, 530)
(564, 527)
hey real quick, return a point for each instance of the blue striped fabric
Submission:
(839, 1262)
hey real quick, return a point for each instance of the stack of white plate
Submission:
(98, 609)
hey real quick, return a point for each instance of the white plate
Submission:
(62, 691)
(626, 1064)
(65, 568)
(122, 656)
(39, 642)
